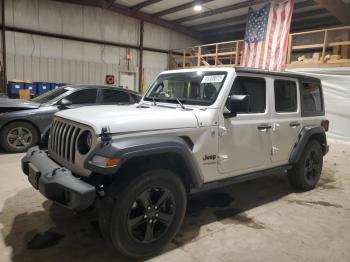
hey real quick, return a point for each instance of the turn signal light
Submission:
(102, 161)
(325, 124)
(113, 162)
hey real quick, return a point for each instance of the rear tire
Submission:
(306, 173)
(140, 216)
(18, 137)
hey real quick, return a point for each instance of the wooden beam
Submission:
(337, 8)
(144, 4)
(179, 8)
(124, 10)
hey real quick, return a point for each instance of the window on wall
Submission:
(255, 89)
(285, 96)
(86, 96)
(115, 96)
(311, 98)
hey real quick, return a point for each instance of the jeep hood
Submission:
(130, 118)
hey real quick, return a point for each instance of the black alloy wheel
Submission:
(312, 167)
(140, 214)
(307, 171)
(151, 214)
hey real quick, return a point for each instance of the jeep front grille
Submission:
(63, 139)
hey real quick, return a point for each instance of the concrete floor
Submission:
(261, 220)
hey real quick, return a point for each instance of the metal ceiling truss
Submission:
(206, 31)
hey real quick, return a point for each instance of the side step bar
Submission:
(238, 179)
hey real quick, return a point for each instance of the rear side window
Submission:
(84, 96)
(253, 87)
(115, 96)
(285, 96)
(312, 99)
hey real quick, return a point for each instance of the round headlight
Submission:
(84, 142)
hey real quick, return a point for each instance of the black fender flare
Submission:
(307, 133)
(128, 148)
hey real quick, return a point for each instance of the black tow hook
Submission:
(106, 136)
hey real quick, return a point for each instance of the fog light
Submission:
(102, 161)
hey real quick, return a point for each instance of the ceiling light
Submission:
(198, 8)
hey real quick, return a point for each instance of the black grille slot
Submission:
(75, 136)
(63, 139)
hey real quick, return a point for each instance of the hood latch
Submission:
(106, 136)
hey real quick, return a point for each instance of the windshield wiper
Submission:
(154, 101)
(181, 104)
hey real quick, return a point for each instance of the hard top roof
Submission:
(299, 76)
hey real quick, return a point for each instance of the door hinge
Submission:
(275, 126)
(274, 150)
(222, 130)
(222, 158)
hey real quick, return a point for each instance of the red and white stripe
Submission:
(271, 53)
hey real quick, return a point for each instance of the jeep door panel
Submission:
(244, 141)
(285, 117)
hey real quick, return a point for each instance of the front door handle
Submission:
(264, 127)
(294, 124)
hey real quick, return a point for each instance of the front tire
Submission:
(18, 137)
(306, 173)
(139, 217)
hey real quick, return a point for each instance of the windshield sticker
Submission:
(213, 79)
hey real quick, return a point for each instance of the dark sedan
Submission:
(24, 124)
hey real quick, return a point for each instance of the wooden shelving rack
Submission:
(216, 54)
(330, 48)
(318, 48)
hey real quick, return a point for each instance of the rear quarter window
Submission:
(312, 99)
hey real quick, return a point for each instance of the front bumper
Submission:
(56, 182)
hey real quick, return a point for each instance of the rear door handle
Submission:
(264, 127)
(294, 124)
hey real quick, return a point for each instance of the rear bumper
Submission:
(56, 182)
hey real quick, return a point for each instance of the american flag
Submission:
(266, 36)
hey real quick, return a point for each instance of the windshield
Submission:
(194, 88)
(47, 97)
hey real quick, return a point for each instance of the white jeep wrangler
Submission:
(194, 130)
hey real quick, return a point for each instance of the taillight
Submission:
(325, 124)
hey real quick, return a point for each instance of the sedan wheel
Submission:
(19, 137)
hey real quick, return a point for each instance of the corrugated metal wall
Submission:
(38, 58)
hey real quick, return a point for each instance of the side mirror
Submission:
(236, 104)
(64, 103)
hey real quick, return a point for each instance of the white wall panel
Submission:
(72, 19)
(58, 71)
(160, 37)
(27, 75)
(51, 69)
(49, 16)
(39, 58)
(19, 66)
(154, 63)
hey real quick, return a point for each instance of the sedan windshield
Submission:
(47, 97)
(194, 88)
